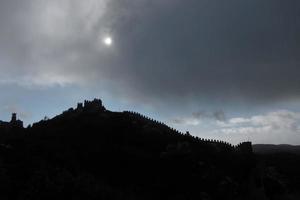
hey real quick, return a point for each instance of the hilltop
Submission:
(89, 152)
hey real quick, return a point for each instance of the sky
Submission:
(227, 70)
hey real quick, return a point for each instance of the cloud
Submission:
(282, 126)
(219, 116)
(228, 51)
(187, 121)
(49, 43)
(201, 116)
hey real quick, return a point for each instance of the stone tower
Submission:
(13, 117)
(245, 148)
(15, 122)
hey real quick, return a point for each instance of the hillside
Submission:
(271, 148)
(92, 153)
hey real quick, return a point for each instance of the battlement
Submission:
(90, 106)
(244, 147)
(146, 118)
(94, 105)
(79, 106)
(87, 106)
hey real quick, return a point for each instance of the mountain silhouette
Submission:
(271, 148)
(89, 152)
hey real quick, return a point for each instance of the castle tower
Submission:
(15, 122)
(79, 106)
(14, 117)
(95, 105)
(245, 147)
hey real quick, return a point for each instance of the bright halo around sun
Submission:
(107, 41)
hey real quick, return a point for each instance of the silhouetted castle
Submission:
(96, 106)
(88, 106)
(14, 123)
(91, 106)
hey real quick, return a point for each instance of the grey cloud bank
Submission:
(276, 127)
(233, 49)
(279, 127)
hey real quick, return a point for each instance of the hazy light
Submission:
(107, 41)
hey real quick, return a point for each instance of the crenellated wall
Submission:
(244, 147)
(96, 105)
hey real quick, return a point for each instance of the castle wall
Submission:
(244, 147)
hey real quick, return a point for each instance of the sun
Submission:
(107, 41)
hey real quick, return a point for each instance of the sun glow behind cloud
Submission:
(57, 37)
(107, 41)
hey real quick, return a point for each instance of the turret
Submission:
(14, 122)
(79, 106)
(245, 148)
(14, 117)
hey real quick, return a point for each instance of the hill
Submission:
(89, 152)
(271, 148)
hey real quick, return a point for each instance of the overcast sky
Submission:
(221, 69)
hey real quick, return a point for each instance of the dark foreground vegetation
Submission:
(92, 153)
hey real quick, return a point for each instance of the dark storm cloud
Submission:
(230, 49)
(218, 115)
(197, 117)
(164, 50)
